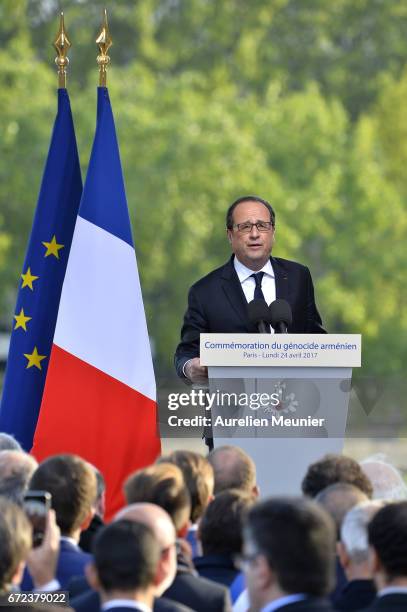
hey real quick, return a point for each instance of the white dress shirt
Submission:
(392, 590)
(283, 601)
(248, 283)
(242, 603)
(268, 284)
(125, 603)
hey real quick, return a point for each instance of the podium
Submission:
(282, 398)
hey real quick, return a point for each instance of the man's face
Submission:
(256, 575)
(253, 248)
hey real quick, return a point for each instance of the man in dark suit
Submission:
(353, 550)
(337, 499)
(72, 484)
(97, 522)
(220, 534)
(84, 599)
(288, 555)
(388, 548)
(163, 484)
(218, 302)
(125, 566)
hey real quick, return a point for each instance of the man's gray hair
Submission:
(354, 529)
(8, 442)
(16, 469)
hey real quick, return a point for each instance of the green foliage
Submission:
(300, 102)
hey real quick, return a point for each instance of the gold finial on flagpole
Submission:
(104, 43)
(62, 45)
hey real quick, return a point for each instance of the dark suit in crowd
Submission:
(122, 609)
(188, 590)
(392, 602)
(195, 592)
(71, 563)
(310, 604)
(219, 568)
(89, 601)
(356, 595)
(87, 536)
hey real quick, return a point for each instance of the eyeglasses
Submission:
(167, 548)
(246, 227)
(243, 559)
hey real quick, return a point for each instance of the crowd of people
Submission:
(195, 534)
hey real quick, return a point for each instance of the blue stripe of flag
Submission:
(55, 216)
(104, 199)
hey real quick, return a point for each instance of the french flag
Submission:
(99, 399)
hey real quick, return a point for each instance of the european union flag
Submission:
(41, 280)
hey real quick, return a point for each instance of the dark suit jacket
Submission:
(90, 602)
(340, 582)
(71, 562)
(216, 303)
(123, 609)
(33, 607)
(311, 604)
(195, 592)
(87, 536)
(219, 568)
(396, 602)
(356, 595)
(160, 605)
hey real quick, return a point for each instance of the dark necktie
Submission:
(258, 293)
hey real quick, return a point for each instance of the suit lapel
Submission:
(234, 292)
(281, 279)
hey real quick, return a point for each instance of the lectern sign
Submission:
(292, 350)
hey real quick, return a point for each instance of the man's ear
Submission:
(265, 577)
(229, 235)
(256, 491)
(92, 576)
(342, 554)
(88, 519)
(18, 575)
(374, 562)
(184, 530)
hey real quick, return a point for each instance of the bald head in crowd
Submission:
(338, 499)
(163, 528)
(386, 480)
(16, 469)
(8, 442)
(233, 469)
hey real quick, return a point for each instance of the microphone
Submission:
(280, 316)
(259, 315)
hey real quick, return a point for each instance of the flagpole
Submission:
(104, 42)
(62, 45)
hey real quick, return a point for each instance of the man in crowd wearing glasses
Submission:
(218, 302)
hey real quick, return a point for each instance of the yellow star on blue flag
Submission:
(34, 359)
(53, 247)
(28, 279)
(21, 320)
